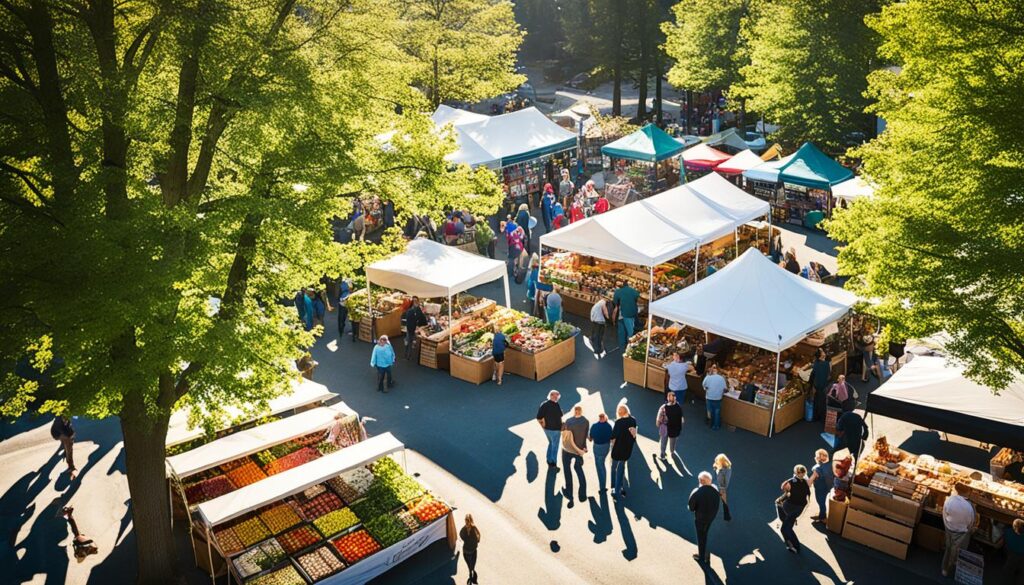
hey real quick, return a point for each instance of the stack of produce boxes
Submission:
(329, 527)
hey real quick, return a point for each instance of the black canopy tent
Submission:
(930, 393)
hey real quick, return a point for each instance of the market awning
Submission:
(931, 393)
(744, 161)
(273, 488)
(649, 144)
(430, 269)
(445, 114)
(729, 137)
(809, 167)
(774, 152)
(754, 301)
(703, 158)
(303, 392)
(633, 234)
(767, 172)
(519, 136)
(729, 199)
(255, 439)
(690, 213)
(854, 188)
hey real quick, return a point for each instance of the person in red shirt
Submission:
(576, 211)
(601, 205)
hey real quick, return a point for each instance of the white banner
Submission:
(381, 562)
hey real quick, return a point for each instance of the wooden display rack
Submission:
(435, 353)
(390, 325)
(633, 372)
(884, 523)
(757, 419)
(473, 371)
(540, 365)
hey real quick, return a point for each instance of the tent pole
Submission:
(450, 313)
(650, 319)
(508, 297)
(209, 557)
(736, 236)
(696, 261)
(369, 310)
(775, 398)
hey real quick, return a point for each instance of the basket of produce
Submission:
(283, 576)
(335, 521)
(298, 539)
(266, 555)
(320, 563)
(355, 546)
(280, 518)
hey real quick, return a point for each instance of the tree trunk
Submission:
(641, 105)
(689, 108)
(144, 455)
(617, 87)
(658, 106)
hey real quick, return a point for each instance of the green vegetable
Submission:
(387, 529)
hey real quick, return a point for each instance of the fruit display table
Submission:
(345, 518)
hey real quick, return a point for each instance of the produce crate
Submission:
(390, 325)
(895, 508)
(633, 372)
(434, 354)
(472, 371)
(789, 414)
(892, 538)
(519, 363)
(574, 304)
(554, 358)
(746, 415)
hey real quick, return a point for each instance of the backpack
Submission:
(57, 428)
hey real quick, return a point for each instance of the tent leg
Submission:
(696, 262)
(209, 555)
(775, 398)
(650, 319)
(736, 236)
(508, 296)
(450, 312)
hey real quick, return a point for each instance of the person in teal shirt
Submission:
(625, 303)
(382, 358)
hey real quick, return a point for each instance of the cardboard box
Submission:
(876, 541)
(836, 514)
(890, 529)
(893, 507)
(929, 537)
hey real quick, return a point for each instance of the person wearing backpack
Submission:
(63, 431)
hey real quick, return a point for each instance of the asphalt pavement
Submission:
(481, 449)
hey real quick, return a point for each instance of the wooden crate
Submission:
(883, 535)
(894, 508)
(390, 325)
(468, 247)
(574, 305)
(365, 332)
(836, 514)
(633, 372)
(554, 358)
(434, 354)
(746, 415)
(789, 415)
(929, 537)
(520, 363)
(472, 371)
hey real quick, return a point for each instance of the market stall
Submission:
(245, 457)
(732, 141)
(645, 158)
(763, 182)
(598, 131)
(806, 180)
(734, 167)
(182, 435)
(851, 189)
(344, 518)
(428, 269)
(757, 304)
(701, 160)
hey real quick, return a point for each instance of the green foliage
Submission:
(461, 50)
(808, 66)
(704, 43)
(941, 246)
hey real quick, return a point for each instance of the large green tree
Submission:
(463, 50)
(941, 246)
(148, 156)
(808, 67)
(703, 42)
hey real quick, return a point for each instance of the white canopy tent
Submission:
(729, 199)
(468, 152)
(447, 114)
(854, 188)
(232, 505)
(754, 301)
(430, 269)
(303, 393)
(742, 161)
(255, 439)
(767, 172)
(519, 136)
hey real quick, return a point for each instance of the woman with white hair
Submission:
(623, 440)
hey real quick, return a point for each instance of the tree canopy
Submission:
(941, 246)
(149, 158)
(703, 40)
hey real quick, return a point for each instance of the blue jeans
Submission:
(627, 325)
(553, 438)
(680, 396)
(618, 476)
(821, 495)
(715, 412)
(600, 455)
(381, 374)
(788, 514)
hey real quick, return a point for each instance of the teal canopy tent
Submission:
(812, 168)
(649, 144)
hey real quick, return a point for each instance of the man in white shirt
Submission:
(598, 319)
(714, 389)
(959, 519)
(677, 370)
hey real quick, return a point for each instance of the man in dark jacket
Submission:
(412, 318)
(64, 431)
(704, 501)
(851, 431)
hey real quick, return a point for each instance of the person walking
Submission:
(959, 519)
(623, 440)
(470, 536)
(1013, 570)
(549, 415)
(599, 316)
(64, 431)
(413, 318)
(714, 389)
(677, 369)
(565, 189)
(841, 394)
(344, 291)
(703, 503)
(498, 345)
(523, 221)
(601, 435)
(791, 504)
(723, 475)
(382, 358)
(625, 299)
(851, 431)
(821, 372)
(547, 206)
(574, 447)
(670, 423)
(822, 478)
